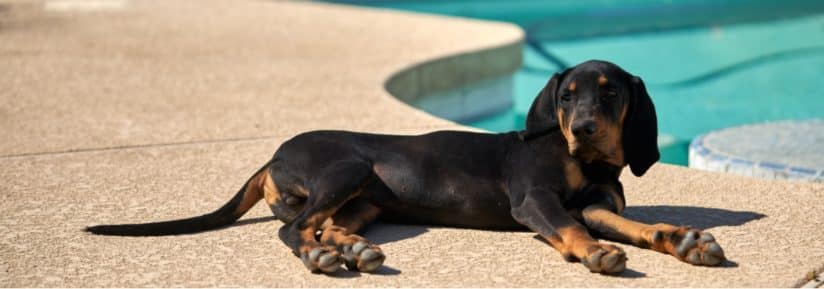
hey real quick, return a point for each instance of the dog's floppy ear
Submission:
(640, 136)
(542, 116)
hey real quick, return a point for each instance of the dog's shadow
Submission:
(381, 232)
(695, 217)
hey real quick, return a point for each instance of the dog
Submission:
(559, 178)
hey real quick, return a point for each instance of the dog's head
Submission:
(603, 112)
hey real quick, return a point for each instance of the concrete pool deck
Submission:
(155, 110)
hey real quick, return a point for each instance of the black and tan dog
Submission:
(558, 178)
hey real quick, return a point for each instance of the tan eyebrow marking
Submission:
(602, 80)
(572, 86)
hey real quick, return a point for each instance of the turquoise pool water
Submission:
(707, 64)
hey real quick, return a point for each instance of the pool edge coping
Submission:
(704, 158)
(429, 76)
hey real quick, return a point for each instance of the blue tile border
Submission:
(804, 171)
(772, 166)
(702, 157)
(717, 157)
(697, 145)
(738, 161)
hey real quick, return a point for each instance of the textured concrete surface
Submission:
(170, 71)
(161, 109)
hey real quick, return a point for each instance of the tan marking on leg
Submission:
(327, 222)
(618, 228)
(576, 242)
(270, 190)
(615, 227)
(253, 192)
(334, 235)
(571, 241)
(319, 219)
(665, 245)
(358, 253)
(341, 230)
(313, 223)
(597, 257)
(574, 176)
(557, 243)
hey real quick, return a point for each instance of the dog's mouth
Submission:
(589, 151)
(587, 154)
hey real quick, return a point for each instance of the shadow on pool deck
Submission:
(696, 217)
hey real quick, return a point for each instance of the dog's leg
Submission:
(339, 231)
(543, 213)
(329, 191)
(688, 245)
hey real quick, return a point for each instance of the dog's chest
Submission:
(574, 176)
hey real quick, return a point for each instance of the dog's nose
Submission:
(584, 128)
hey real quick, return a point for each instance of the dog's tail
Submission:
(248, 196)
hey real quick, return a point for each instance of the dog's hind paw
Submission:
(363, 257)
(322, 259)
(605, 259)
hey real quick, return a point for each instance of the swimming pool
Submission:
(707, 64)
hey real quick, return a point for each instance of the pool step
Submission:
(792, 150)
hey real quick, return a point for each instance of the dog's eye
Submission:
(565, 96)
(609, 95)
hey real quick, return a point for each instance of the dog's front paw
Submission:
(322, 259)
(700, 248)
(363, 257)
(605, 259)
(691, 246)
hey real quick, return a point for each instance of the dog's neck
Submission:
(603, 169)
(525, 135)
(553, 139)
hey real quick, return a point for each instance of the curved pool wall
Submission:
(462, 87)
(707, 64)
